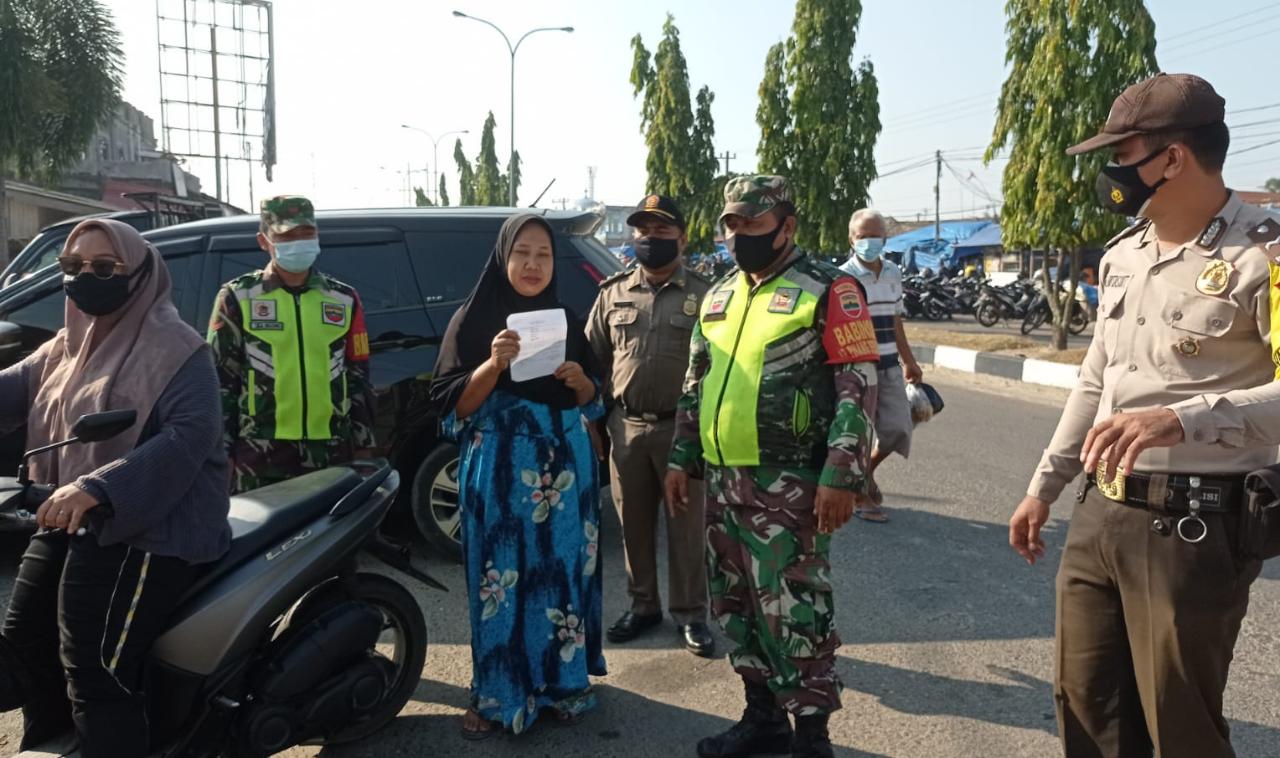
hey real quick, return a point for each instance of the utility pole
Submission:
(937, 200)
(217, 123)
(726, 156)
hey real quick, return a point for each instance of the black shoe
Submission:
(812, 740)
(698, 639)
(763, 730)
(630, 626)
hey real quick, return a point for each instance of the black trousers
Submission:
(80, 622)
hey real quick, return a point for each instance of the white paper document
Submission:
(543, 336)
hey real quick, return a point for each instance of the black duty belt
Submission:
(1175, 493)
(651, 418)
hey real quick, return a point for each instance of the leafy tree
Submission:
(1068, 60)
(444, 194)
(835, 120)
(490, 189)
(466, 176)
(420, 198)
(60, 73)
(681, 162)
(1272, 185)
(774, 114)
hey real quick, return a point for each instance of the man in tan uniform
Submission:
(639, 330)
(1175, 404)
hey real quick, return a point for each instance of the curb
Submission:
(1017, 368)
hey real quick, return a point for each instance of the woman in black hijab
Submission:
(528, 495)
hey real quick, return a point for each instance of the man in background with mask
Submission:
(776, 413)
(882, 281)
(292, 355)
(1175, 404)
(639, 330)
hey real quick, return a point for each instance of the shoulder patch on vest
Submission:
(849, 336)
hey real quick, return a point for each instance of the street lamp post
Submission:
(435, 154)
(512, 49)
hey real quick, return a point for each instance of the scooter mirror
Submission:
(95, 427)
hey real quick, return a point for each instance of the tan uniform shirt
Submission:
(1187, 330)
(640, 335)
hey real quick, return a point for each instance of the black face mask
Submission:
(1121, 190)
(754, 252)
(654, 252)
(95, 296)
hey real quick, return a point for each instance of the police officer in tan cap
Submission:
(1175, 404)
(639, 330)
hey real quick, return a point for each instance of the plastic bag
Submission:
(921, 406)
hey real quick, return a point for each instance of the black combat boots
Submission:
(811, 740)
(763, 730)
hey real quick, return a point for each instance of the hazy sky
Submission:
(348, 74)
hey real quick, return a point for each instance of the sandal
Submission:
(871, 514)
(476, 735)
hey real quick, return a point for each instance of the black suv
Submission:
(412, 267)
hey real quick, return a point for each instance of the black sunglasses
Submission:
(103, 268)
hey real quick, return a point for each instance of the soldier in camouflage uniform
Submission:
(292, 355)
(780, 387)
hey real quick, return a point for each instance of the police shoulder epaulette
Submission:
(623, 274)
(1265, 232)
(699, 276)
(1128, 232)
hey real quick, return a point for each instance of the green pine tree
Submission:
(681, 160)
(835, 120)
(444, 193)
(774, 114)
(466, 176)
(1068, 60)
(490, 188)
(420, 198)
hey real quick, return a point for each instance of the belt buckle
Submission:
(652, 418)
(1113, 490)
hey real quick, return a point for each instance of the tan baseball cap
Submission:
(1163, 103)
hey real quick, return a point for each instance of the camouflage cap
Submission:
(753, 196)
(284, 213)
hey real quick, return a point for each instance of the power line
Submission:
(1250, 110)
(1217, 49)
(1200, 29)
(1254, 147)
(947, 106)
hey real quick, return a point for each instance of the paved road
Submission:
(968, 325)
(948, 635)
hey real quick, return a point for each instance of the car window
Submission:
(447, 264)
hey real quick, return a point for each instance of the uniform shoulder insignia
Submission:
(244, 281)
(1129, 232)
(698, 275)
(1266, 233)
(623, 274)
(337, 284)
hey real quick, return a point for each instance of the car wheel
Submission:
(435, 501)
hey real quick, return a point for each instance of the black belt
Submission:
(651, 418)
(1182, 493)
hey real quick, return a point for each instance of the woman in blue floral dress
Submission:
(529, 495)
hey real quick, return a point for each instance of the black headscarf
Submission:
(467, 341)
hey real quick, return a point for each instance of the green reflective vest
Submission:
(768, 397)
(295, 384)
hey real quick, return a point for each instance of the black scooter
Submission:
(283, 641)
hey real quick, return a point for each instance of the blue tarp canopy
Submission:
(983, 238)
(919, 250)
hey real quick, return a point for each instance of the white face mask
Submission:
(869, 248)
(297, 256)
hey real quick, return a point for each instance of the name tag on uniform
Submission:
(271, 326)
(719, 304)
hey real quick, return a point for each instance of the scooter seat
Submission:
(265, 518)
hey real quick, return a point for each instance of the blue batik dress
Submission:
(530, 509)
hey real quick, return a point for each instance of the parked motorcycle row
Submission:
(1021, 301)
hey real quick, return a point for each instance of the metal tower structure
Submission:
(217, 85)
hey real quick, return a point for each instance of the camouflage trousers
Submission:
(257, 463)
(770, 581)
